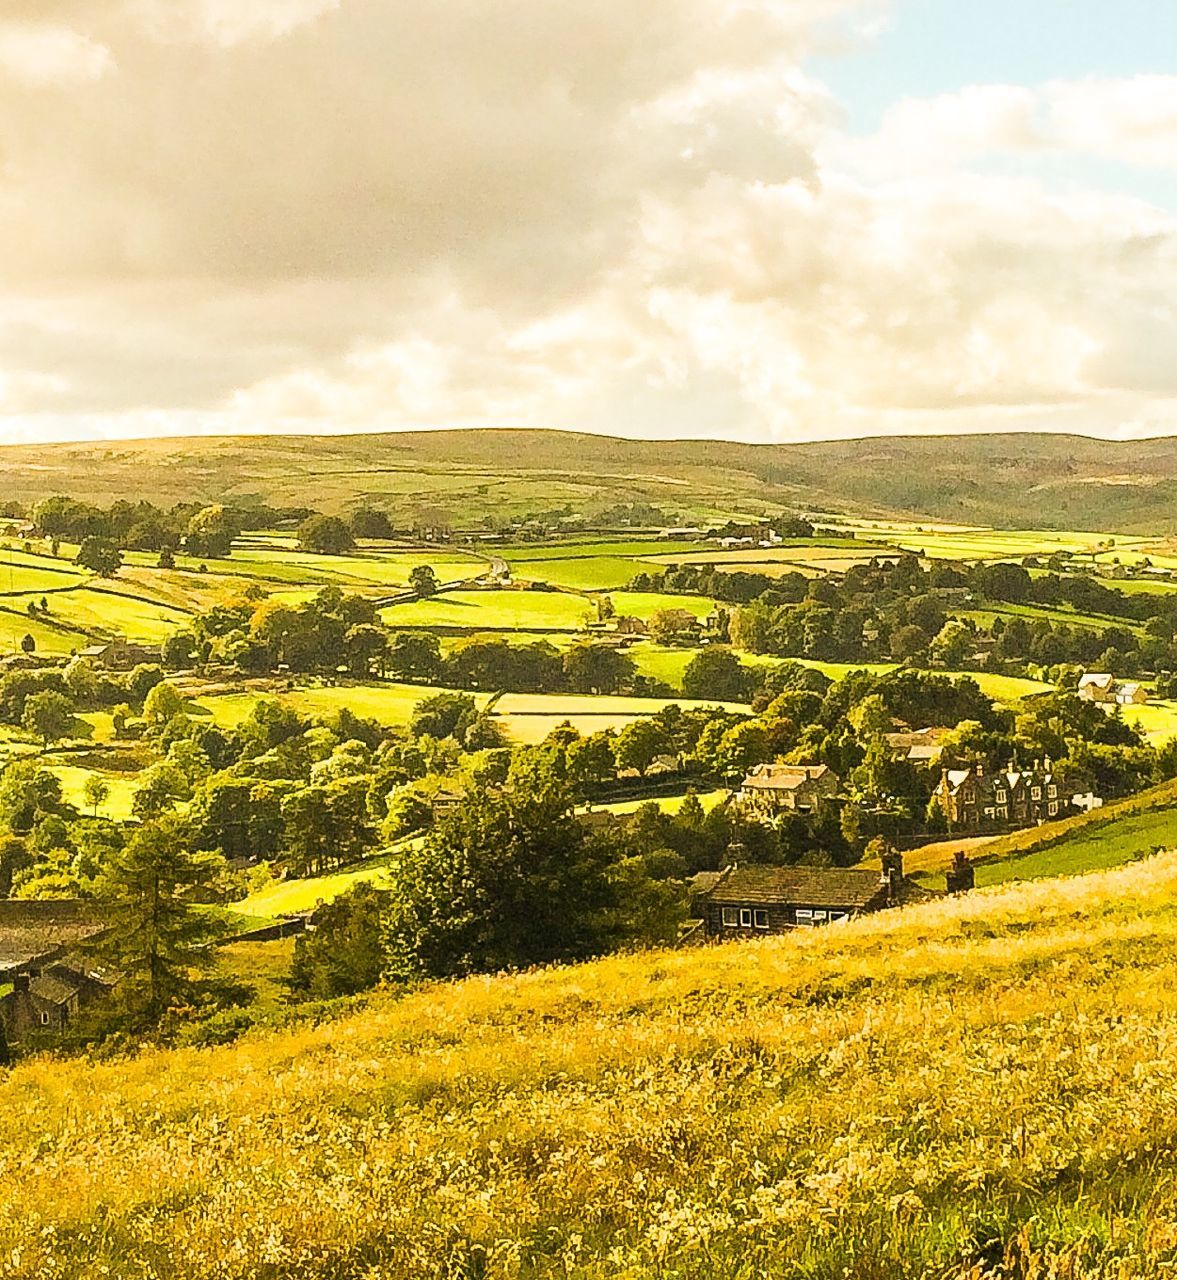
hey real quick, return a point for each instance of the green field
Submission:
(581, 573)
(289, 897)
(494, 611)
(390, 704)
(117, 806)
(1111, 845)
(1156, 720)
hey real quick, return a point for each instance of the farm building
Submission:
(919, 746)
(47, 988)
(750, 900)
(972, 800)
(772, 789)
(120, 654)
(1103, 687)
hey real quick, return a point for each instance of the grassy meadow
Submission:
(979, 1086)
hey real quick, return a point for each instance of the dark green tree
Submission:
(423, 580)
(344, 952)
(327, 535)
(160, 937)
(509, 879)
(100, 556)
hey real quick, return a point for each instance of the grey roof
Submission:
(40, 929)
(52, 990)
(850, 888)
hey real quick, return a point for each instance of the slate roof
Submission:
(37, 930)
(806, 886)
(52, 990)
(784, 777)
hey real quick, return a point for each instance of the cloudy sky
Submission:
(758, 219)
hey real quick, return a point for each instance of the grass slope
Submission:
(980, 1086)
(1069, 482)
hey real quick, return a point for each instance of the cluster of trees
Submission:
(511, 875)
(205, 531)
(900, 611)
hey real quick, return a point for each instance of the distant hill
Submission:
(1043, 481)
(977, 1087)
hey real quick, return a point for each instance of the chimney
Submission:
(20, 984)
(979, 768)
(962, 877)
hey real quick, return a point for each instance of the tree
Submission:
(95, 792)
(444, 715)
(597, 668)
(366, 645)
(344, 953)
(509, 879)
(640, 743)
(176, 651)
(49, 715)
(167, 559)
(211, 532)
(423, 580)
(952, 644)
(370, 522)
(28, 644)
(162, 704)
(159, 937)
(100, 556)
(327, 535)
(161, 788)
(717, 673)
(414, 656)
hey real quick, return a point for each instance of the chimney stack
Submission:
(20, 984)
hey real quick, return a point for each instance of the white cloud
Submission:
(648, 218)
(43, 55)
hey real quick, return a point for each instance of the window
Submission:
(760, 919)
(731, 918)
(990, 812)
(819, 915)
(803, 917)
(44, 1019)
(1035, 793)
(838, 915)
(1052, 808)
(1052, 792)
(745, 917)
(1001, 797)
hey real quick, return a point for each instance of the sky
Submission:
(768, 220)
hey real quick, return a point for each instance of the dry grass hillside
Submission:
(1067, 482)
(979, 1087)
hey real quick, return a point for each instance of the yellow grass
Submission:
(913, 1094)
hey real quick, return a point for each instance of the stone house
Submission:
(746, 901)
(973, 800)
(1102, 687)
(769, 790)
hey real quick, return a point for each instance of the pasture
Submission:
(921, 1091)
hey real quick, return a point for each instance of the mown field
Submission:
(980, 1086)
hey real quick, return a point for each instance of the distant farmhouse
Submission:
(972, 800)
(770, 790)
(750, 900)
(1104, 688)
(919, 746)
(120, 654)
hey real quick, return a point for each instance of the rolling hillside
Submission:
(978, 1087)
(1068, 482)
